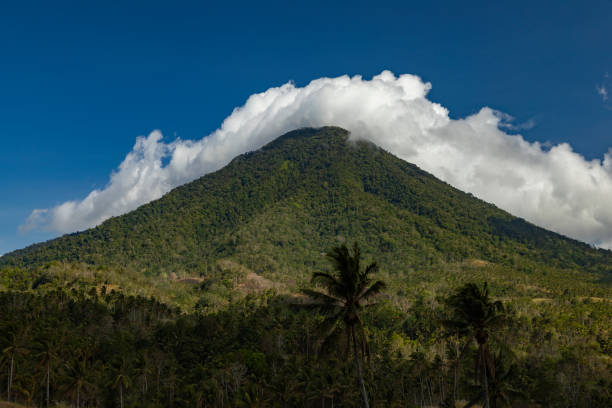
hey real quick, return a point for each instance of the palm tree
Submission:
(474, 315)
(78, 379)
(347, 291)
(46, 346)
(15, 346)
(502, 392)
(121, 379)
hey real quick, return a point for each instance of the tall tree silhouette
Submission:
(46, 347)
(474, 315)
(121, 379)
(15, 346)
(77, 375)
(347, 290)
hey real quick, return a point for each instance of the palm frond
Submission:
(324, 279)
(371, 269)
(328, 332)
(375, 289)
(327, 327)
(321, 297)
(334, 286)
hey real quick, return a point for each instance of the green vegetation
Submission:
(194, 300)
(275, 210)
(347, 291)
(474, 315)
(262, 350)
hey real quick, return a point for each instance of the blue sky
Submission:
(79, 82)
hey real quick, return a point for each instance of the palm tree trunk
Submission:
(364, 393)
(10, 379)
(422, 391)
(8, 384)
(121, 394)
(158, 375)
(455, 382)
(78, 396)
(484, 379)
(48, 375)
(428, 383)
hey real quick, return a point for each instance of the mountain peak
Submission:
(325, 134)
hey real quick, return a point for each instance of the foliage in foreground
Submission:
(260, 351)
(348, 289)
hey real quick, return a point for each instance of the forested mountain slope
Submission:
(278, 208)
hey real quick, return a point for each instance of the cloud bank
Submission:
(553, 187)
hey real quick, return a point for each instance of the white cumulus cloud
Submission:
(553, 187)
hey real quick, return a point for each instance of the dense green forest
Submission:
(200, 299)
(99, 346)
(274, 210)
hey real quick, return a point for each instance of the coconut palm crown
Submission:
(347, 290)
(474, 315)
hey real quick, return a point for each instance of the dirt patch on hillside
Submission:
(249, 281)
(257, 283)
(109, 288)
(478, 263)
(594, 299)
(188, 280)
